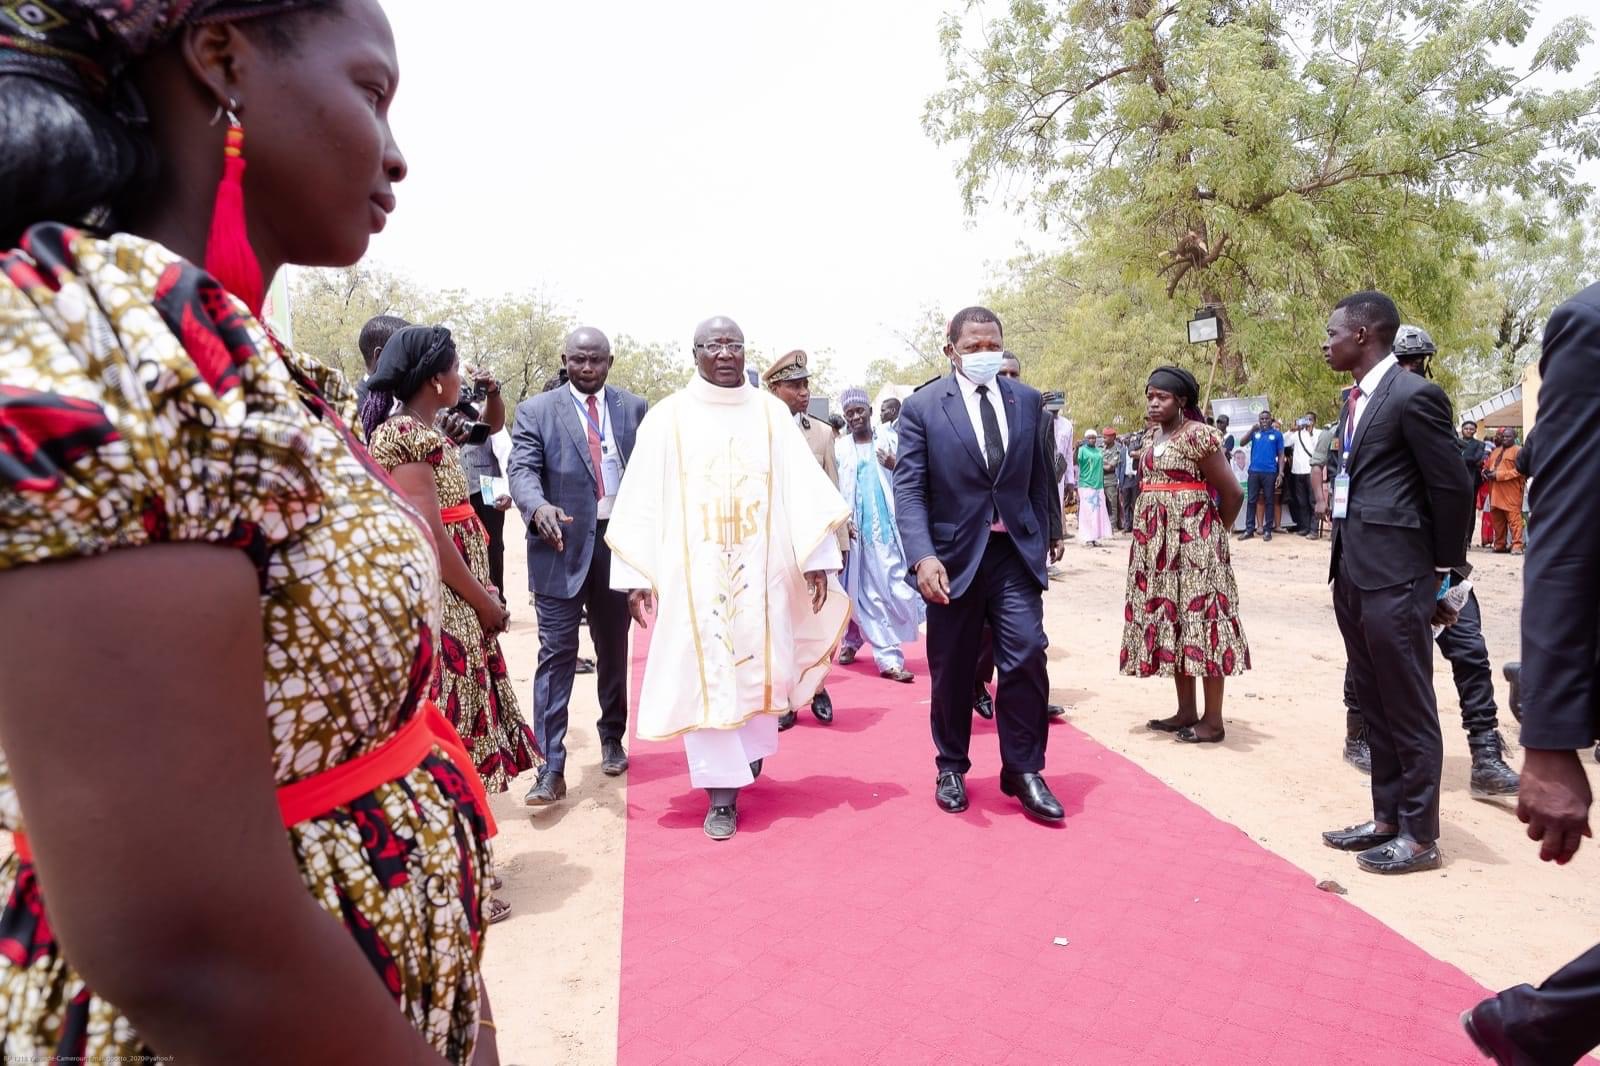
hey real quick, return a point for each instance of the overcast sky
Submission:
(651, 164)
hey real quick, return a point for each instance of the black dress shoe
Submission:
(1357, 837)
(984, 706)
(613, 759)
(1055, 710)
(755, 769)
(1267, 535)
(1247, 536)
(1487, 1028)
(822, 707)
(550, 787)
(585, 666)
(1357, 754)
(722, 822)
(787, 721)
(1034, 795)
(847, 656)
(1400, 856)
(951, 792)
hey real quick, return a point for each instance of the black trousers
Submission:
(494, 520)
(1388, 638)
(1130, 496)
(1302, 507)
(558, 656)
(1005, 596)
(1261, 483)
(1558, 1022)
(1463, 648)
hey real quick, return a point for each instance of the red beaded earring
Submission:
(229, 257)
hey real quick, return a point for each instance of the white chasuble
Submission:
(721, 511)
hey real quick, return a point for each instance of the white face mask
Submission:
(980, 368)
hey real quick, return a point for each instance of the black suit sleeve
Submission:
(1046, 460)
(1426, 425)
(911, 486)
(1562, 572)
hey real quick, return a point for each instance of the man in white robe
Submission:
(886, 610)
(724, 528)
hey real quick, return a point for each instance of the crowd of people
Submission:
(303, 582)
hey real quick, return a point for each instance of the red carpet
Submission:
(852, 921)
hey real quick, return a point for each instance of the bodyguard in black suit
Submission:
(973, 489)
(1402, 508)
(1559, 1021)
(568, 450)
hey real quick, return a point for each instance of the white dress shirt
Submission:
(971, 400)
(1369, 385)
(969, 396)
(607, 444)
(1305, 442)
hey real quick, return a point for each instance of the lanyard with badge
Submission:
(1341, 482)
(611, 464)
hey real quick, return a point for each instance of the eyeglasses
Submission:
(717, 347)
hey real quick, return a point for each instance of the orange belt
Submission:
(389, 761)
(1171, 486)
(461, 512)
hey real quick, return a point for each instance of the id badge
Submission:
(1341, 496)
(611, 470)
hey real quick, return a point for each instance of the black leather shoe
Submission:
(847, 656)
(1267, 535)
(1247, 536)
(1055, 710)
(613, 759)
(951, 792)
(1513, 672)
(1357, 837)
(551, 787)
(787, 721)
(1487, 1028)
(1357, 754)
(822, 707)
(1400, 856)
(1034, 795)
(585, 666)
(1491, 777)
(722, 822)
(755, 769)
(984, 706)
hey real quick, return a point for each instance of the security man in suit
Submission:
(973, 493)
(569, 448)
(789, 380)
(1402, 508)
(1559, 1022)
(1462, 646)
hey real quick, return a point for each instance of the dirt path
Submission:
(1493, 909)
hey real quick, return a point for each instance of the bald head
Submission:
(586, 353)
(719, 328)
(719, 352)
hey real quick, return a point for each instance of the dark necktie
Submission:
(595, 451)
(993, 446)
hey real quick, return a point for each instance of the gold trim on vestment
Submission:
(624, 555)
(766, 584)
(740, 724)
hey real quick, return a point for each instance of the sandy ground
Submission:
(1494, 909)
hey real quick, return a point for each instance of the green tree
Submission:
(920, 355)
(650, 369)
(1264, 157)
(329, 307)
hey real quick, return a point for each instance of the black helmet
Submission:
(1412, 343)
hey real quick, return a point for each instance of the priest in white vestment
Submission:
(724, 528)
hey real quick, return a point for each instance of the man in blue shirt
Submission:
(1266, 472)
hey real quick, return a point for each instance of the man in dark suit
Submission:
(569, 448)
(973, 491)
(1402, 508)
(1559, 1021)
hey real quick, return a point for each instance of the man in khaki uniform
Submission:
(789, 380)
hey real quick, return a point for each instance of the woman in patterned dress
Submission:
(419, 368)
(1182, 610)
(248, 837)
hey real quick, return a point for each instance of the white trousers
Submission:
(721, 758)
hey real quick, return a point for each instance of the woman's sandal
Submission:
(1187, 735)
(499, 910)
(1167, 725)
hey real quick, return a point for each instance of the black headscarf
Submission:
(1182, 384)
(412, 358)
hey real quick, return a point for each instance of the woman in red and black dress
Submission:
(1182, 611)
